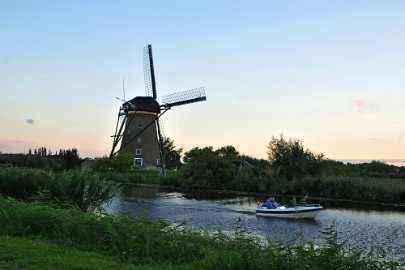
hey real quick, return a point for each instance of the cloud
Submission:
(29, 121)
(360, 104)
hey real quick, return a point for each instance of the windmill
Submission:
(138, 128)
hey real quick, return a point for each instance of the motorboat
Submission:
(299, 211)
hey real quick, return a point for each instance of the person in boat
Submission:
(271, 203)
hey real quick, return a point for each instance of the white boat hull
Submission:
(308, 211)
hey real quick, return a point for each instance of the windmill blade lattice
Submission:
(149, 72)
(185, 97)
(139, 128)
(162, 127)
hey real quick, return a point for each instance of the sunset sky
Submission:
(330, 73)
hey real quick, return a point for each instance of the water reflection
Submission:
(370, 229)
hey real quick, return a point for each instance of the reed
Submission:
(85, 190)
(140, 241)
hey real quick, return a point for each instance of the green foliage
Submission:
(120, 235)
(102, 164)
(42, 158)
(172, 155)
(197, 152)
(246, 180)
(206, 168)
(42, 254)
(120, 163)
(260, 168)
(31, 161)
(70, 158)
(289, 159)
(343, 187)
(228, 152)
(138, 241)
(84, 190)
(208, 171)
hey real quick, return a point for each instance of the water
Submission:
(362, 226)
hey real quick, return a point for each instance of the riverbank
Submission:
(73, 239)
(363, 188)
(14, 182)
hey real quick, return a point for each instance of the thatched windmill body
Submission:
(138, 128)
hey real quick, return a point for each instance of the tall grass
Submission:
(85, 190)
(142, 241)
(340, 187)
(357, 188)
(117, 235)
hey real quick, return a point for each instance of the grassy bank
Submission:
(354, 188)
(40, 254)
(38, 236)
(88, 190)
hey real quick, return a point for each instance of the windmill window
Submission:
(138, 162)
(138, 152)
(139, 140)
(140, 126)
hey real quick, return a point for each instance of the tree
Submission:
(172, 155)
(70, 158)
(376, 166)
(101, 163)
(122, 162)
(208, 171)
(228, 152)
(289, 159)
(197, 152)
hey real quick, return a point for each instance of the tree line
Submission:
(290, 169)
(43, 158)
(287, 159)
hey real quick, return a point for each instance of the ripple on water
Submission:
(362, 229)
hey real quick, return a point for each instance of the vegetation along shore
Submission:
(52, 218)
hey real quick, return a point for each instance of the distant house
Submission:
(239, 164)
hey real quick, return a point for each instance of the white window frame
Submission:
(138, 152)
(138, 162)
(139, 140)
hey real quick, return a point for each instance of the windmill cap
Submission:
(145, 104)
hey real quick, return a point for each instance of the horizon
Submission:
(395, 162)
(327, 73)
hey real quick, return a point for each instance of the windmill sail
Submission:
(138, 128)
(149, 72)
(185, 97)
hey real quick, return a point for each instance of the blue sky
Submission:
(330, 73)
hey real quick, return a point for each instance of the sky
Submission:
(329, 73)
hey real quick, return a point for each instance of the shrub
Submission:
(83, 189)
(208, 171)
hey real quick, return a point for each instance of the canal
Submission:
(365, 226)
